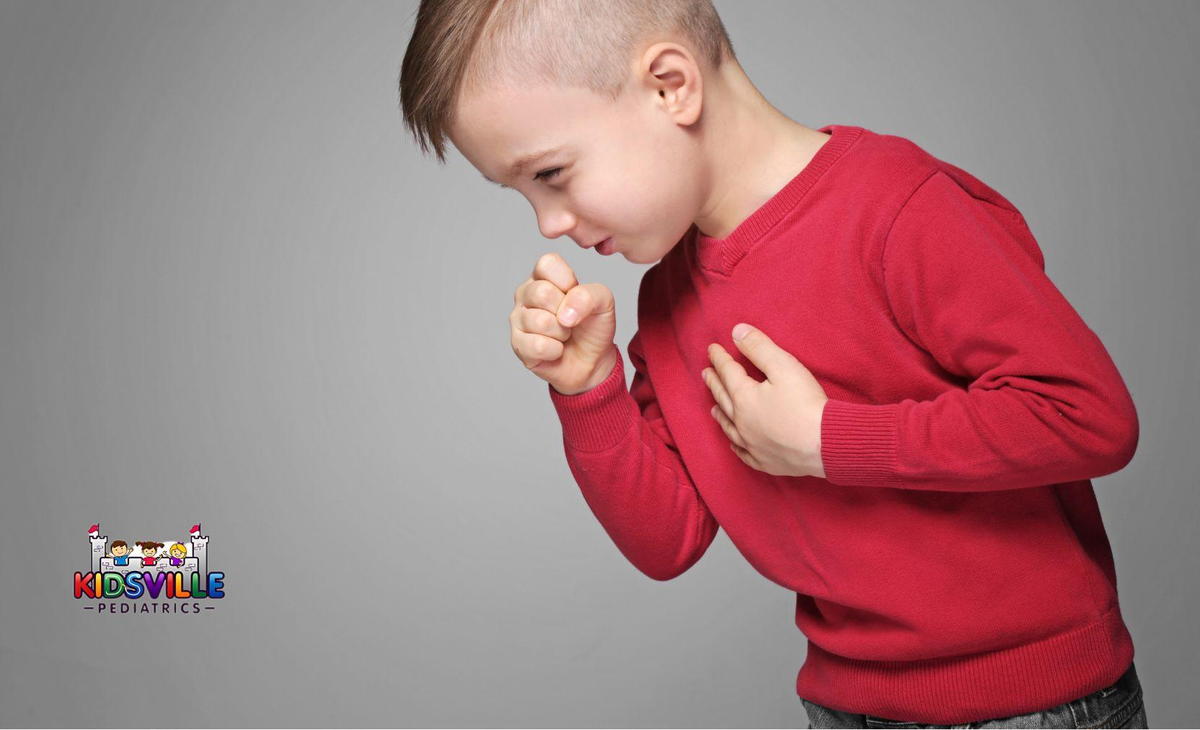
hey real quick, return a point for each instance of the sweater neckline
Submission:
(722, 254)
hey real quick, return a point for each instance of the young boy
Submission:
(848, 356)
(119, 552)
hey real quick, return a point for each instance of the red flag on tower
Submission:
(94, 528)
(195, 528)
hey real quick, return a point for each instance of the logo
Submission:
(149, 576)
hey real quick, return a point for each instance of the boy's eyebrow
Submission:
(524, 161)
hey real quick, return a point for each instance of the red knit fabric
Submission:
(952, 566)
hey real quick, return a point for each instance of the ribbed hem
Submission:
(858, 443)
(597, 419)
(973, 687)
(722, 254)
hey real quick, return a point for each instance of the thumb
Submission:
(774, 361)
(590, 312)
(583, 301)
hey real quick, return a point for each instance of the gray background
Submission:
(232, 291)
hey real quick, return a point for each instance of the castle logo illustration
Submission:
(137, 578)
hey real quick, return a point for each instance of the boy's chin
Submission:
(638, 259)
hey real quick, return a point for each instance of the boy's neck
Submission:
(753, 151)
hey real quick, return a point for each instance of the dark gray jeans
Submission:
(1118, 706)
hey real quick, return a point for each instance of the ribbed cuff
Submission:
(858, 443)
(597, 419)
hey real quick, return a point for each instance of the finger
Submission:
(584, 301)
(746, 457)
(540, 322)
(719, 394)
(727, 426)
(533, 349)
(542, 294)
(554, 268)
(774, 361)
(733, 375)
(521, 288)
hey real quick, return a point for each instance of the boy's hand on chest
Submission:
(774, 426)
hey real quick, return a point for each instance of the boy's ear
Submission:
(673, 69)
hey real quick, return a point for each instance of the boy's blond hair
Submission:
(458, 46)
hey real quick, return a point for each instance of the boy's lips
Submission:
(605, 247)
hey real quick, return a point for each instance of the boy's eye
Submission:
(547, 174)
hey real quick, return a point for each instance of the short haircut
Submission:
(462, 45)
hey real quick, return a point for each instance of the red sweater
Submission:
(952, 566)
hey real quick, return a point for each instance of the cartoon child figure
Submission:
(149, 548)
(120, 552)
(177, 553)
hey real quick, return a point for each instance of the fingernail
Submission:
(569, 316)
(713, 412)
(741, 330)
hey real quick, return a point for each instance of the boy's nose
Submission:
(555, 223)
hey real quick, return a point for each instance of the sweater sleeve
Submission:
(1043, 401)
(622, 456)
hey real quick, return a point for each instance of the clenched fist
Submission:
(563, 330)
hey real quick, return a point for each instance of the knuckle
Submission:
(545, 260)
(523, 289)
(536, 348)
(735, 393)
(530, 296)
(534, 320)
(523, 344)
(547, 264)
(547, 322)
(546, 349)
(542, 293)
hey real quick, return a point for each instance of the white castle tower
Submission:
(199, 552)
(99, 544)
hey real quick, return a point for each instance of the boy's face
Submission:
(120, 550)
(628, 169)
